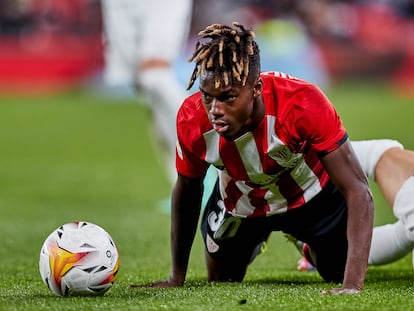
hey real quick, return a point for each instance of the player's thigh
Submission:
(329, 254)
(231, 243)
(322, 224)
(227, 258)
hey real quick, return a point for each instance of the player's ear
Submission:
(257, 88)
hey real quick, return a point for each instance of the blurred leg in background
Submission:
(142, 40)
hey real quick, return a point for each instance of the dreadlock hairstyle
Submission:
(226, 51)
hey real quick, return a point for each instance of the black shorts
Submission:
(321, 223)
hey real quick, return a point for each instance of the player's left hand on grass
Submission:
(341, 291)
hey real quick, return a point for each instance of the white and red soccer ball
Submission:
(79, 259)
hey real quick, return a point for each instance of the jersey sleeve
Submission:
(191, 147)
(319, 122)
(188, 164)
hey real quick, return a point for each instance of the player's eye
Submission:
(206, 97)
(229, 98)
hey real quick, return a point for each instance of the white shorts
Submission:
(370, 151)
(136, 30)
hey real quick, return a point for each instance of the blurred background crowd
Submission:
(49, 45)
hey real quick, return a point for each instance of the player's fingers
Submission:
(340, 291)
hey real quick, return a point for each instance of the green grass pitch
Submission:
(79, 156)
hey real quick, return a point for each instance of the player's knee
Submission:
(330, 262)
(226, 275)
(220, 271)
(331, 275)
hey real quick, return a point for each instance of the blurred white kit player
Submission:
(142, 39)
(395, 170)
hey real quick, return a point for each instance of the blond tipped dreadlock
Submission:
(230, 52)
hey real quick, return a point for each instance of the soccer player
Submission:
(284, 163)
(142, 39)
(392, 167)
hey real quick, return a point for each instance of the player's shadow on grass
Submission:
(400, 278)
(294, 278)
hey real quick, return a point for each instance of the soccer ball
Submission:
(79, 259)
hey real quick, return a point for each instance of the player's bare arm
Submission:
(185, 211)
(345, 171)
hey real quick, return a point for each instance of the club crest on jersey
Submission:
(284, 156)
(212, 246)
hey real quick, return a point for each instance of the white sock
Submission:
(404, 206)
(393, 241)
(389, 243)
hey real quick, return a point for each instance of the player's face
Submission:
(232, 109)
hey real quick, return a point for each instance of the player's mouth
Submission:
(220, 127)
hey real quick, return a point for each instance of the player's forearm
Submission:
(182, 236)
(360, 224)
(185, 213)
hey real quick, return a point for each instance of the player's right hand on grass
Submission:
(341, 291)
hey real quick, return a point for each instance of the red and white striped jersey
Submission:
(276, 166)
